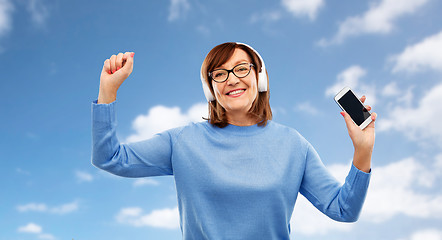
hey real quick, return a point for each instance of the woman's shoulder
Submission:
(196, 126)
(283, 128)
(190, 128)
(287, 131)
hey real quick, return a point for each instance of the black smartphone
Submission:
(348, 102)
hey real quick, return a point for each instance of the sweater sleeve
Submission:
(151, 157)
(340, 202)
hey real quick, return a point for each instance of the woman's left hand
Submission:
(363, 140)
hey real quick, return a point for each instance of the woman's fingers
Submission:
(116, 62)
(128, 63)
(126, 55)
(363, 98)
(113, 65)
(373, 119)
(124, 59)
(119, 61)
(374, 116)
(106, 66)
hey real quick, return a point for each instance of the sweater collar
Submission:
(241, 130)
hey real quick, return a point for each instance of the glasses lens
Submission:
(242, 70)
(219, 75)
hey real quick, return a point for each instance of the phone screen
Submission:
(354, 108)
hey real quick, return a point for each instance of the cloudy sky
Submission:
(51, 55)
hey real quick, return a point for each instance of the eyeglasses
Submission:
(241, 70)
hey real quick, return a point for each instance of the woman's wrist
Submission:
(106, 98)
(362, 159)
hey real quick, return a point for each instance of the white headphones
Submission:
(262, 77)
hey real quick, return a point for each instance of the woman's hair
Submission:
(260, 109)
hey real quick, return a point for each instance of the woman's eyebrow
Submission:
(236, 63)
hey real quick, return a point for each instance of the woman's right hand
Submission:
(115, 70)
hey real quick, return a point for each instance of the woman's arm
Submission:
(151, 157)
(147, 158)
(341, 202)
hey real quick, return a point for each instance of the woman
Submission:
(238, 174)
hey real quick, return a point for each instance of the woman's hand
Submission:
(115, 70)
(363, 140)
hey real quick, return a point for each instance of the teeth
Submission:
(235, 92)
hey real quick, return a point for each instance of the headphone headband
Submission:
(262, 77)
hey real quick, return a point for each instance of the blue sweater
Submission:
(233, 182)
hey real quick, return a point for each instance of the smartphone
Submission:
(348, 102)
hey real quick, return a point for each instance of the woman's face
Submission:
(236, 95)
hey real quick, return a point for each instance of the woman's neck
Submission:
(241, 119)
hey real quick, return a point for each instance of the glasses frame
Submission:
(231, 71)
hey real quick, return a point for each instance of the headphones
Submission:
(262, 77)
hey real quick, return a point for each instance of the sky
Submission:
(51, 55)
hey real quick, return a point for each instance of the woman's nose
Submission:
(232, 80)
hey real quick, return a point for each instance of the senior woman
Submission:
(237, 174)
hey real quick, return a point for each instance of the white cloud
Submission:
(394, 95)
(379, 19)
(30, 228)
(393, 187)
(392, 191)
(84, 176)
(6, 9)
(65, 208)
(162, 218)
(161, 118)
(177, 9)
(308, 221)
(438, 163)
(398, 96)
(426, 234)
(145, 181)
(35, 229)
(303, 8)
(407, 97)
(308, 108)
(421, 56)
(36, 207)
(350, 77)
(39, 12)
(417, 123)
(391, 90)
(41, 207)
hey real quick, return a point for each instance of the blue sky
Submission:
(51, 55)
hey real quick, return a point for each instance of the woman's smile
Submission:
(236, 93)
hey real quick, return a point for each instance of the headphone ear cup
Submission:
(206, 89)
(262, 81)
